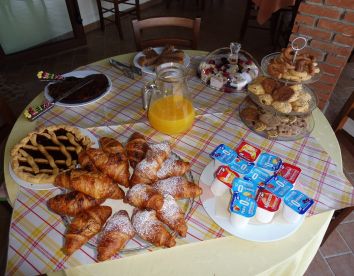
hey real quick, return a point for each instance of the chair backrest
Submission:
(156, 22)
(346, 112)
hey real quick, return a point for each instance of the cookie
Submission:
(302, 109)
(272, 134)
(256, 88)
(249, 114)
(265, 99)
(269, 85)
(259, 126)
(283, 107)
(292, 119)
(305, 96)
(294, 97)
(269, 119)
(283, 94)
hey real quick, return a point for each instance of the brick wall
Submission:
(329, 26)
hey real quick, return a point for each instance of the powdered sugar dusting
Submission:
(119, 222)
(172, 185)
(170, 210)
(146, 166)
(140, 191)
(166, 168)
(145, 222)
(164, 146)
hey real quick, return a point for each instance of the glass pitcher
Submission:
(170, 108)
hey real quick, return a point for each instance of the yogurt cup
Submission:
(241, 166)
(223, 180)
(242, 209)
(248, 152)
(289, 172)
(278, 185)
(244, 187)
(222, 155)
(296, 204)
(267, 205)
(268, 162)
(258, 176)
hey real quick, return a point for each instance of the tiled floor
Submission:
(221, 21)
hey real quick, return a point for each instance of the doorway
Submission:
(34, 28)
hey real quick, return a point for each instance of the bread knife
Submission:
(49, 105)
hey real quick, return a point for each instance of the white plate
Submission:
(254, 231)
(47, 186)
(150, 69)
(79, 74)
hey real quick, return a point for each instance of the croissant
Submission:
(86, 163)
(178, 187)
(146, 171)
(110, 165)
(172, 216)
(159, 152)
(136, 148)
(172, 167)
(149, 228)
(84, 226)
(112, 146)
(72, 203)
(144, 196)
(115, 235)
(94, 184)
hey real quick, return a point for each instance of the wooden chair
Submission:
(156, 22)
(339, 215)
(117, 12)
(7, 120)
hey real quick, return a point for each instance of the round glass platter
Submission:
(267, 60)
(246, 63)
(136, 243)
(312, 103)
(292, 127)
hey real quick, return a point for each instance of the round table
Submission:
(222, 256)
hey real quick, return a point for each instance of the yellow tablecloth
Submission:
(222, 256)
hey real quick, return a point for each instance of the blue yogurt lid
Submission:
(298, 201)
(243, 205)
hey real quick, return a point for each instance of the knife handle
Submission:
(34, 113)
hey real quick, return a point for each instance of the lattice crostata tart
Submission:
(43, 154)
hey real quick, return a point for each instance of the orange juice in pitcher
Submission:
(170, 109)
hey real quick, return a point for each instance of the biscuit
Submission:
(283, 107)
(265, 99)
(305, 96)
(283, 94)
(269, 85)
(256, 88)
(249, 114)
(259, 126)
(270, 120)
(272, 133)
(294, 97)
(303, 108)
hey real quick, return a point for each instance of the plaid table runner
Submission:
(37, 234)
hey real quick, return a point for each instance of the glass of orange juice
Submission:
(167, 98)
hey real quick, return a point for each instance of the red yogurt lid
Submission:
(268, 201)
(226, 175)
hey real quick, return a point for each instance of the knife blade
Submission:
(72, 90)
(50, 105)
(132, 68)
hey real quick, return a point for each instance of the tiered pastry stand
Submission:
(252, 100)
